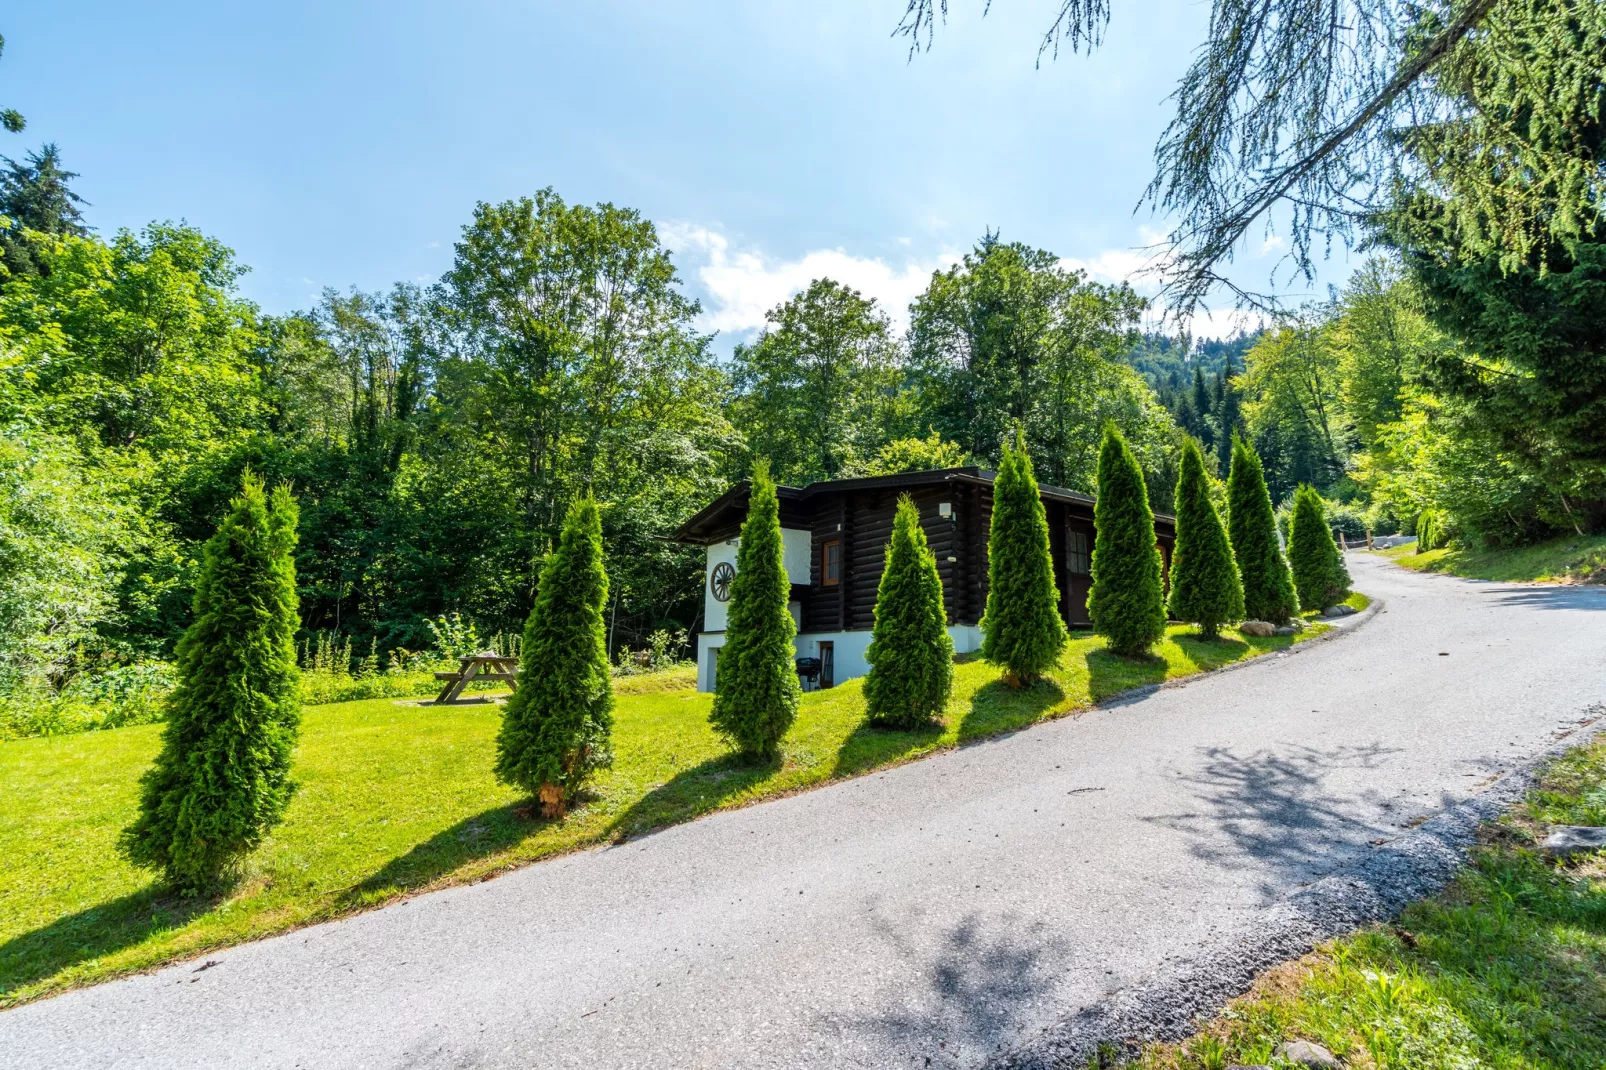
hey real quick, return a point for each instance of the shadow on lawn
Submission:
(103, 929)
(690, 794)
(869, 746)
(473, 838)
(997, 707)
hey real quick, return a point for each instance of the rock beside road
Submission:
(1258, 628)
(1565, 841)
(1332, 612)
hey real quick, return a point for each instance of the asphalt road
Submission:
(937, 914)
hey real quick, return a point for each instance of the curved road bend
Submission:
(940, 911)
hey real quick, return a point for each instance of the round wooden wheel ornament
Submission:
(720, 581)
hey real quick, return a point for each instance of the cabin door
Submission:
(827, 664)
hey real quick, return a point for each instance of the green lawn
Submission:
(395, 797)
(1579, 559)
(1507, 968)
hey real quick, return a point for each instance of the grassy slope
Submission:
(395, 797)
(1507, 968)
(1579, 559)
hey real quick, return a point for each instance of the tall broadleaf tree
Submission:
(1205, 588)
(1022, 627)
(557, 727)
(756, 687)
(1127, 600)
(1268, 585)
(911, 654)
(222, 778)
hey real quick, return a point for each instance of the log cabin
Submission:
(834, 534)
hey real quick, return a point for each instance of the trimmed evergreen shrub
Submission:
(556, 727)
(1268, 585)
(1021, 628)
(911, 654)
(1320, 578)
(222, 777)
(1127, 602)
(1205, 588)
(756, 688)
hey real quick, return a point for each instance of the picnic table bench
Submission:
(486, 665)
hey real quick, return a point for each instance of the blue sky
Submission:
(345, 143)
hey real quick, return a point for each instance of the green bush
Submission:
(1205, 588)
(755, 687)
(557, 728)
(222, 778)
(1320, 578)
(911, 654)
(1268, 586)
(1022, 629)
(1127, 602)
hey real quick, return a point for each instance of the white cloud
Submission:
(740, 285)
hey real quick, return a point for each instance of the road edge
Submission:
(1413, 866)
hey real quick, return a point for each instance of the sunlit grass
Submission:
(1576, 559)
(396, 796)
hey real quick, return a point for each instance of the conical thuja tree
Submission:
(756, 688)
(1320, 578)
(556, 729)
(1021, 628)
(1205, 588)
(1127, 601)
(1268, 586)
(222, 777)
(911, 655)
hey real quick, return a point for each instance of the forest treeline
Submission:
(435, 435)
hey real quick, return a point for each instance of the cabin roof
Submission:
(717, 516)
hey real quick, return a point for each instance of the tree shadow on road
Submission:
(960, 1000)
(1274, 806)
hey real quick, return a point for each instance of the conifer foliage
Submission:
(222, 777)
(755, 687)
(911, 655)
(1021, 628)
(1205, 588)
(557, 728)
(1320, 577)
(1127, 602)
(1268, 586)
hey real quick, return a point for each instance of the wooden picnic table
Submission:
(486, 665)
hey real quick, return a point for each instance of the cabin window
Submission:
(1078, 562)
(831, 563)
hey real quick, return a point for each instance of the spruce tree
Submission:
(756, 688)
(222, 777)
(1320, 577)
(1127, 602)
(1268, 586)
(1021, 628)
(1205, 588)
(556, 728)
(911, 654)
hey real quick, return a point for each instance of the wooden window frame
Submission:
(1075, 557)
(826, 547)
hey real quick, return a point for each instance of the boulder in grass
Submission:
(1565, 841)
(1258, 628)
(1304, 1053)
